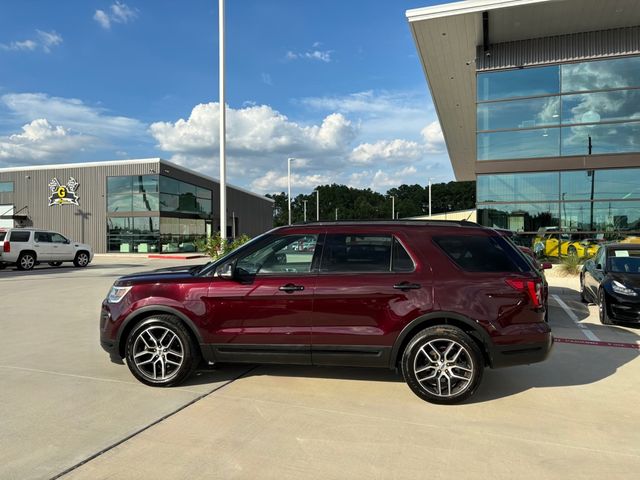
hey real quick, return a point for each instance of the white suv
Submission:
(26, 247)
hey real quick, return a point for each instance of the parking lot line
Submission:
(587, 333)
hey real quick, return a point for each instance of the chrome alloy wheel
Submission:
(443, 367)
(158, 353)
(27, 262)
(83, 259)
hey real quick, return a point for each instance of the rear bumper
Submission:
(522, 354)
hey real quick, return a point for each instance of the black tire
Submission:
(3, 266)
(583, 297)
(603, 311)
(26, 261)
(424, 354)
(82, 259)
(55, 264)
(141, 350)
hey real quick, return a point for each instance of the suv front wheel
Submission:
(442, 364)
(160, 351)
(81, 260)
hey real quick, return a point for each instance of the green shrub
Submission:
(215, 248)
(570, 265)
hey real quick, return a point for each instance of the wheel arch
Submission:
(470, 327)
(140, 315)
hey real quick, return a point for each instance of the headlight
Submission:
(622, 290)
(116, 294)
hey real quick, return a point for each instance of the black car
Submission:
(612, 280)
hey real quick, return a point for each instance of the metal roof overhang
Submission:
(448, 35)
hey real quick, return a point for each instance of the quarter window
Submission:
(19, 236)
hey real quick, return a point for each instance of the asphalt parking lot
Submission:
(65, 409)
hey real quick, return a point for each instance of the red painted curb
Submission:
(176, 257)
(634, 346)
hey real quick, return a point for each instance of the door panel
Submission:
(259, 322)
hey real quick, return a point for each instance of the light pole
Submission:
(223, 159)
(289, 186)
(317, 205)
(336, 214)
(429, 198)
(393, 207)
(304, 202)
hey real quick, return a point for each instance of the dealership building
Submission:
(144, 206)
(539, 102)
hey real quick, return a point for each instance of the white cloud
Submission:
(320, 55)
(40, 141)
(433, 138)
(71, 113)
(390, 151)
(119, 13)
(44, 41)
(256, 131)
(102, 18)
(274, 181)
(381, 180)
(266, 79)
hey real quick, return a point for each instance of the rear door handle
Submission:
(290, 288)
(407, 286)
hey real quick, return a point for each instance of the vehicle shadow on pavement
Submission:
(44, 270)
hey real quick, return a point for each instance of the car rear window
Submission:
(19, 236)
(482, 253)
(2, 234)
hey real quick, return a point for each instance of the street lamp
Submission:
(223, 159)
(289, 160)
(305, 210)
(429, 197)
(393, 207)
(317, 205)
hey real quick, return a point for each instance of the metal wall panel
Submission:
(560, 49)
(88, 222)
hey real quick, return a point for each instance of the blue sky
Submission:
(335, 84)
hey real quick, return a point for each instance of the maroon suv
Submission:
(439, 300)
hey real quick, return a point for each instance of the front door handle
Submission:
(290, 288)
(404, 286)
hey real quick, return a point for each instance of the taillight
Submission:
(7, 247)
(532, 287)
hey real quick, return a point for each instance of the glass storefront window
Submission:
(169, 185)
(605, 138)
(145, 184)
(119, 185)
(607, 216)
(615, 184)
(203, 192)
(601, 74)
(543, 142)
(534, 112)
(526, 82)
(601, 107)
(6, 187)
(145, 202)
(520, 217)
(518, 187)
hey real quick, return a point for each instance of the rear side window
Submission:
(17, 236)
(2, 234)
(482, 253)
(356, 253)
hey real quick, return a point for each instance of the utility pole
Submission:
(317, 205)
(289, 186)
(393, 207)
(429, 198)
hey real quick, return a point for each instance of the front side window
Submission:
(290, 254)
(57, 238)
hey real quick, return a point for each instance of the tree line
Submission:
(365, 204)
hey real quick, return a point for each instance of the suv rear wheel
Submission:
(160, 351)
(26, 261)
(442, 364)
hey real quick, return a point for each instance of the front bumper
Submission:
(623, 309)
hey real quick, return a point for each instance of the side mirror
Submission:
(67, 241)
(226, 271)
(546, 265)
